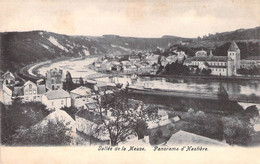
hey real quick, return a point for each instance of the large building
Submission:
(54, 79)
(29, 91)
(219, 65)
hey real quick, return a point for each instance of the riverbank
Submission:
(202, 77)
(30, 72)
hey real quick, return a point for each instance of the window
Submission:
(61, 102)
(34, 97)
(26, 98)
(30, 86)
(26, 92)
(34, 91)
(30, 92)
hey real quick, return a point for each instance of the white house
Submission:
(80, 96)
(6, 95)
(56, 99)
(29, 91)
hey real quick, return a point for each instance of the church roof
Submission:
(233, 46)
(213, 58)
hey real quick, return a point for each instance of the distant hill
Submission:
(248, 41)
(18, 49)
(21, 48)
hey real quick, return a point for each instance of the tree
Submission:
(197, 71)
(121, 117)
(251, 112)
(68, 84)
(54, 133)
(236, 131)
(81, 82)
(20, 116)
(205, 71)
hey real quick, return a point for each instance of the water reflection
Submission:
(233, 87)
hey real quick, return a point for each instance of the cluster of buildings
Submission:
(148, 63)
(50, 92)
(142, 63)
(221, 65)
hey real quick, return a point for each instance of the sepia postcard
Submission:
(129, 81)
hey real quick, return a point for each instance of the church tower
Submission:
(234, 55)
(54, 79)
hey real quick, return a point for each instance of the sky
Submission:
(137, 18)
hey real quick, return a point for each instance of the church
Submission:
(219, 65)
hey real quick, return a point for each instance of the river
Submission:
(79, 68)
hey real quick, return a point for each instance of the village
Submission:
(150, 63)
(84, 99)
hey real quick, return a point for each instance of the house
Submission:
(133, 58)
(201, 53)
(171, 59)
(54, 79)
(183, 137)
(219, 65)
(5, 93)
(152, 59)
(29, 91)
(9, 79)
(56, 99)
(116, 66)
(98, 64)
(80, 96)
(250, 62)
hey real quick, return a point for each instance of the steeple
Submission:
(233, 47)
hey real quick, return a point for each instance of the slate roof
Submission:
(233, 46)
(81, 91)
(18, 91)
(90, 116)
(213, 58)
(41, 89)
(57, 94)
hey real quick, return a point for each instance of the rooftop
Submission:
(81, 91)
(90, 116)
(183, 137)
(233, 46)
(57, 94)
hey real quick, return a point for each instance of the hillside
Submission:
(21, 48)
(18, 49)
(248, 41)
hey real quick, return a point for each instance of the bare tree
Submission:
(121, 116)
